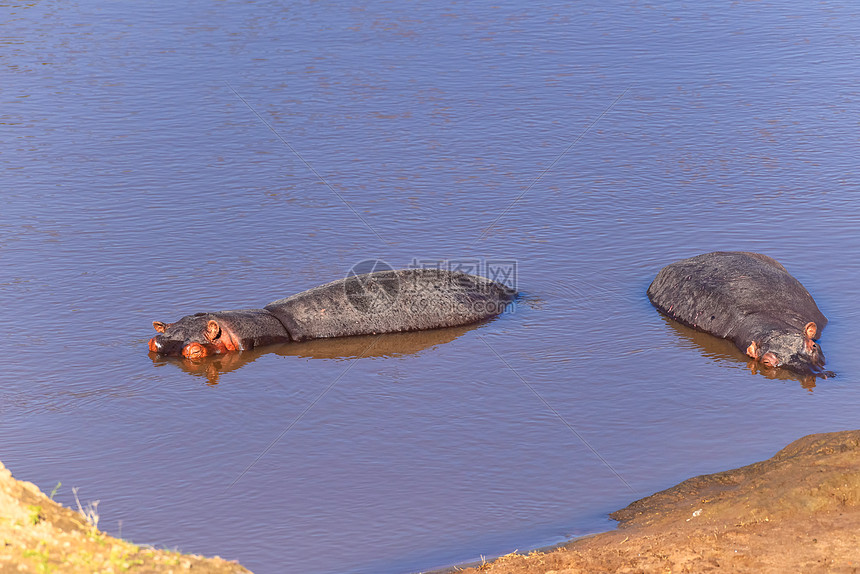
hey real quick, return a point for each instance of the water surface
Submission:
(161, 160)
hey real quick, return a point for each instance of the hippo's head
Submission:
(193, 337)
(795, 351)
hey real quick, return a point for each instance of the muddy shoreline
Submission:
(796, 511)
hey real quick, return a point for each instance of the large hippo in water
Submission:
(748, 298)
(371, 303)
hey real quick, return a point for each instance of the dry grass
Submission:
(90, 513)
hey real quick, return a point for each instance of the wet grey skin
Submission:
(372, 303)
(750, 299)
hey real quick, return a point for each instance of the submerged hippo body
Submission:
(749, 299)
(373, 303)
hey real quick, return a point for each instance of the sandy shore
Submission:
(798, 511)
(39, 535)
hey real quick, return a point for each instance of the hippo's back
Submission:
(721, 292)
(391, 301)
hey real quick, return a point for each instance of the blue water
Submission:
(163, 159)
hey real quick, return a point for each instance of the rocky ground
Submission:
(39, 535)
(796, 512)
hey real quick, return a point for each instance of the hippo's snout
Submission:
(816, 355)
(165, 346)
(184, 338)
(812, 364)
(162, 346)
(790, 350)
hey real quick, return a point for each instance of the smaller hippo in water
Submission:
(748, 298)
(368, 304)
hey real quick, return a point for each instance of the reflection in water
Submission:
(386, 345)
(723, 350)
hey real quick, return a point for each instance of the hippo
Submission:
(387, 301)
(750, 299)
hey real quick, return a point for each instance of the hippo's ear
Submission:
(810, 330)
(754, 350)
(213, 331)
(159, 326)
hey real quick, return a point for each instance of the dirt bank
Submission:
(796, 512)
(39, 535)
